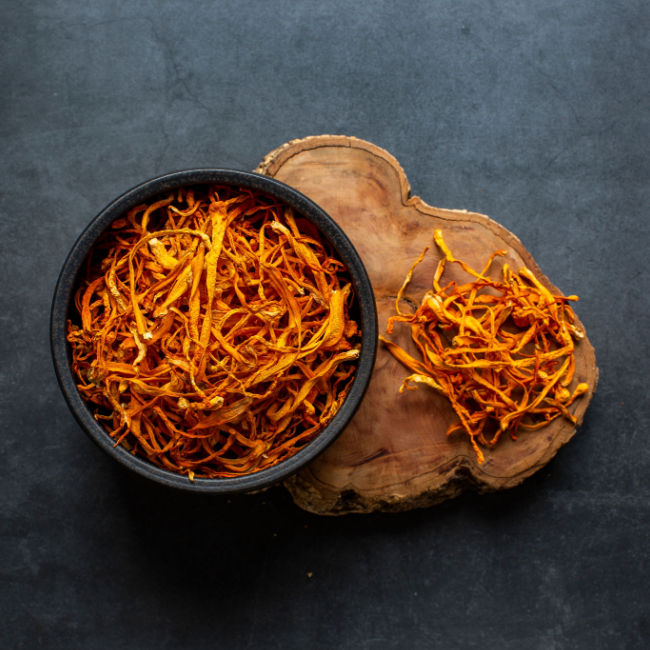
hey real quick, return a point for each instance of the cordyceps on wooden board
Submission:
(395, 454)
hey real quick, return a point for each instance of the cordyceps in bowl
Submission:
(213, 330)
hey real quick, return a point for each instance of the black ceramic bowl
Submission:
(365, 308)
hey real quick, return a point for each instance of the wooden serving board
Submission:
(394, 455)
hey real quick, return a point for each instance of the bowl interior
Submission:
(364, 311)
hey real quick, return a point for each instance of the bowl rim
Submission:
(305, 207)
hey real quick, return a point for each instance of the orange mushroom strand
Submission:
(212, 333)
(501, 351)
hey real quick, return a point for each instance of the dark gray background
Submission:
(535, 113)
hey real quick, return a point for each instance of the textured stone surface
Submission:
(534, 113)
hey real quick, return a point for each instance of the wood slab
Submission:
(394, 455)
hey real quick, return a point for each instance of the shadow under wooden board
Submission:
(395, 455)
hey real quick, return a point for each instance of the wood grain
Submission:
(394, 455)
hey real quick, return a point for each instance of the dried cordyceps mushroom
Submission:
(213, 332)
(501, 351)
